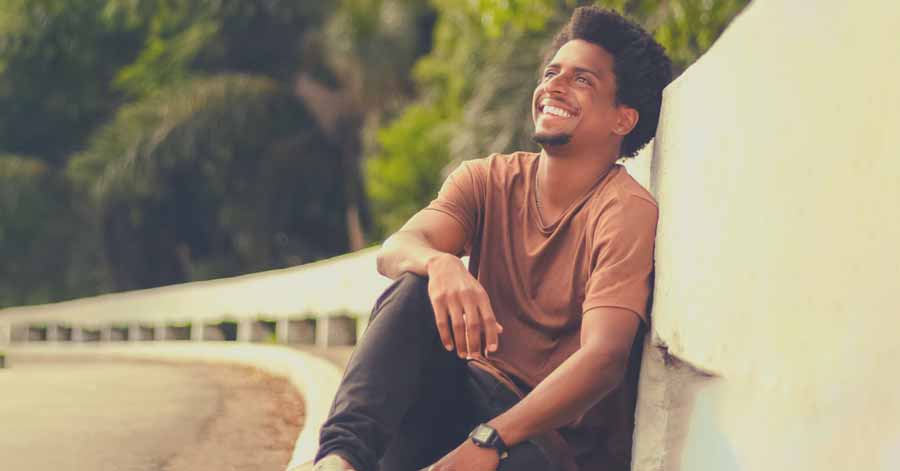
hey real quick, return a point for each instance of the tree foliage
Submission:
(201, 179)
(189, 38)
(147, 142)
(37, 241)
(57, 59)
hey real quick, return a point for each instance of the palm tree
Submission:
(226, 163)
(211, 177)
(370, 46)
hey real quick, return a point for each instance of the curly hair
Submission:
(641, 67)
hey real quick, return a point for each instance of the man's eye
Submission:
(549, 74)
(583, 80)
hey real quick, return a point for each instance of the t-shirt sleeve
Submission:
(462, 196)
(622, 257)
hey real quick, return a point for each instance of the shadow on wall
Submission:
(689, 437)
(707, 443)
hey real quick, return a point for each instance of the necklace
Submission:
(537, 200)
(537, 196)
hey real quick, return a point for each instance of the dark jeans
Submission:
(405, 401)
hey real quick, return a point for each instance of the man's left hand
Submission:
(468, 457)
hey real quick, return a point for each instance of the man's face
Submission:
(574, 101)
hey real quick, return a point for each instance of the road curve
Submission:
(114, 415)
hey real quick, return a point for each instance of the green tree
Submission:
(370, 47)
(37, 241)
(57, 61)
(209, 177)
(284, 137)
(198, 138)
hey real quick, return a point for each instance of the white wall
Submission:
(777, 171)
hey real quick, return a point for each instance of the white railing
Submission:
(325, 302)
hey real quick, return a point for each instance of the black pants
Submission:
(405, 401)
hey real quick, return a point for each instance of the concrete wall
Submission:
(775, 315)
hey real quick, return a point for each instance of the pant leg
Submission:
(399, 383)
(436, 423)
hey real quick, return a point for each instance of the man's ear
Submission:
(627, 119)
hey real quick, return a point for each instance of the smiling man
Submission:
(527, 359)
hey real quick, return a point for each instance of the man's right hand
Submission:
(462, 310)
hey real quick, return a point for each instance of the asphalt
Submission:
(99, 415)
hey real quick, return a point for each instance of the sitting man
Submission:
(527, 359)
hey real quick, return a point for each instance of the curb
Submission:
(314, 378)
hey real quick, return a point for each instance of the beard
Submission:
(551, 140)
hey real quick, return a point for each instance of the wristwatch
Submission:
(485, 436)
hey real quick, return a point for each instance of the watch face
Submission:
(482, 434)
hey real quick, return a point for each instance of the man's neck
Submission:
(563, 177)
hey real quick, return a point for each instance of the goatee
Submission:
(551, 140)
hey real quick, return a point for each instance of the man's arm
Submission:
(428, 234)
(580, 382)
(429, 245)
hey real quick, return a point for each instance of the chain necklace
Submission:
(537, 196)
(537, 199)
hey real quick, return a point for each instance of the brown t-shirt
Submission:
(542, 278)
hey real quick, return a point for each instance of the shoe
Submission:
(332, 463)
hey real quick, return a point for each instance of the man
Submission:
(533, 348)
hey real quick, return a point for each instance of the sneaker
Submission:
(333, 463)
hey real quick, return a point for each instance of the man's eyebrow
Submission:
(577, 69)
(588, 71)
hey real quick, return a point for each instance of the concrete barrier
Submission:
(774, 317)
(315, 379)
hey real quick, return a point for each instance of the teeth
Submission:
(557, 111)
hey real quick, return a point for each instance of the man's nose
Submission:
(556, 84)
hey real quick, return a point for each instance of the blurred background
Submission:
(152, 142)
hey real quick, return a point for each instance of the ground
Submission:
(100, 414)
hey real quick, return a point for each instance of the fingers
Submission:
(458, 325)
(473, 329)
(451, 325)
(463, 315)
(492, 329)
(441, 320)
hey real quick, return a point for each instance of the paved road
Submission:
(101, 415)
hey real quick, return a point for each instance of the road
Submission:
(106, 415)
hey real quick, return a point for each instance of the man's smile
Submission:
(549, 109)
(556, 110)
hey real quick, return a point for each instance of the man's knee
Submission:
(414, 284)
(409, 288)
(530, 456)
(407, 296)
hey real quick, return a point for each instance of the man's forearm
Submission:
(406, 252)
(565, 395)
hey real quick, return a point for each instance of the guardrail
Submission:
(325, 303)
